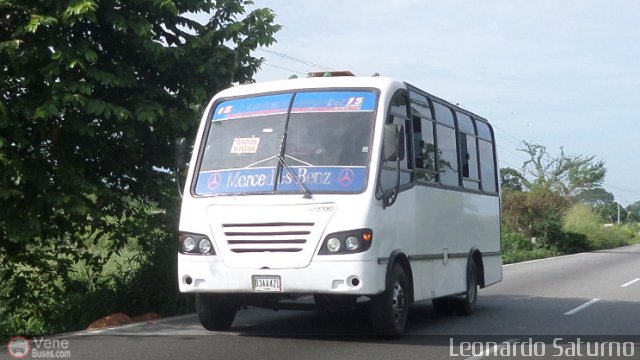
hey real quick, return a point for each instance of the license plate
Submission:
(266, 283)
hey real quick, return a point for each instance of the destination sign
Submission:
(253, 106)
(338, 101)
(317, 101)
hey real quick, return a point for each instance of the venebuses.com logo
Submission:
(20, 347)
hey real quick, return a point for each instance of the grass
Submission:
(516, 247)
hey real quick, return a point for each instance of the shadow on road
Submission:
(497, 316)
(257, 333)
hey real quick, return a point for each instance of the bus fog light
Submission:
(188, 244)
(204, 246)
(333, 245)
(352, 243)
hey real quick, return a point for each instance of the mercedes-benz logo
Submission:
(345, 178)
(214, 181)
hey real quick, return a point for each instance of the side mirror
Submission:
(393, 146)
(181, 151)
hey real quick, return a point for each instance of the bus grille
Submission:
(284, 237)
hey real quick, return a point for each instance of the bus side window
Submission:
(468, 152)
(448, 161)
(447, 148)
(424, 149)
(443, 114)
(487, 161)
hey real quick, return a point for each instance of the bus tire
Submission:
(467, 303)
(389, 309)
(215, 312)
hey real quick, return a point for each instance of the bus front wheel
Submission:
(389, 310)
(215, 311)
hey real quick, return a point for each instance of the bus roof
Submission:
(342, 81)
(312, 83)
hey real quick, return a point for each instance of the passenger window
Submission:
(420, 106)
(469, 158)
(425, 150)
(487, 166)
(448, 155)
(468, 152)
(483, 131)
(443, 114)
(465, 125)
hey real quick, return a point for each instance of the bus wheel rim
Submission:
(398, 303)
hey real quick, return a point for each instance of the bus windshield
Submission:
(324, 137)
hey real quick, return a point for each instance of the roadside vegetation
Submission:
(556, 205)
(93, 94)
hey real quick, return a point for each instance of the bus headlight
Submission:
(195, 244)
(352, 243)
(204, 246)
(189, 244)
(347, 242)
(333, 245)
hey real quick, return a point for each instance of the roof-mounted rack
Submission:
(329, 73)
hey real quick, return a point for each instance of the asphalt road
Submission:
(573, 306)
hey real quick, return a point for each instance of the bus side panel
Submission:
(449, 224)
(423, 278)
(492, 269)
(394, 229)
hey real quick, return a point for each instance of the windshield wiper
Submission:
(301, 185)
(281, 154)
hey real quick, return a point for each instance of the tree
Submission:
(92, 95)
(564, 175)
(511, 179)
(540, 193)
(609, 212)
(633, 211)
(595, 197)
(536, 213)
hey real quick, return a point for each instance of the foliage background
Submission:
(555, 205)
(93, 94)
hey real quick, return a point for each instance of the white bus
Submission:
(340, 187)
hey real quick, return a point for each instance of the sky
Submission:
(559, 73)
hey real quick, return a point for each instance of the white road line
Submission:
(630, 282)
(493, 351)
(582, 307)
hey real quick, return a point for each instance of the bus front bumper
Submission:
(198, 274)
